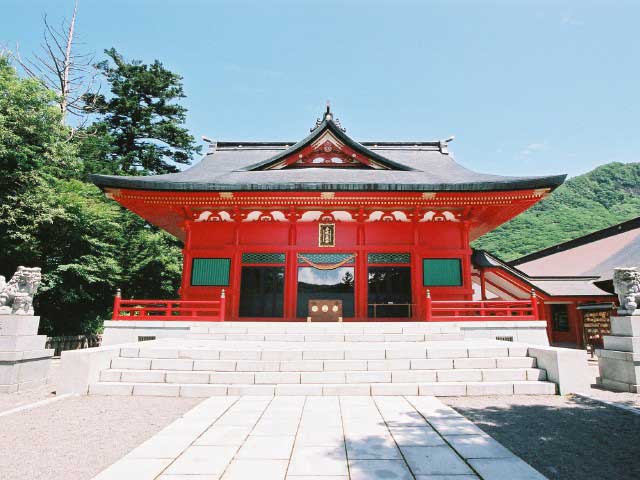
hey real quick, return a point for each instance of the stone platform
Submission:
(334, 438)
(126, 331)
(619, 361)
(235, 358)
(24, 362)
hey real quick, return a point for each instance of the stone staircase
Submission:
(237, 358)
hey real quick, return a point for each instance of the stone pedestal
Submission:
(24, 361)
(619, 361)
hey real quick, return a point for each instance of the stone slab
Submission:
(619, 370)
(503, 468)
(622, 343)
(626, 326)
(568, 368)
(19, 325)
(12, 343)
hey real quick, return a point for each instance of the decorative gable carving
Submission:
(328, 151)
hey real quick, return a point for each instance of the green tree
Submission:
(151, 260)
(68, 229)
(33, 143)
(142, 118)
(51, 217)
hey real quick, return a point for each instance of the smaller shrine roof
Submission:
(596, 253)
(555, 286)
(387, 166)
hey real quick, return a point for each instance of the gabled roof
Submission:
(403, 166)
(555, 286)
(596, 253)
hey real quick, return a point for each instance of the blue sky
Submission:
(527, 88)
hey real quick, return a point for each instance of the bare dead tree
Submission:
(71, 75)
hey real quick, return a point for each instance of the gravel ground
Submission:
(77, 437)
(565, 438)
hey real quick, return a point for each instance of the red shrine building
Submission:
(382, 228)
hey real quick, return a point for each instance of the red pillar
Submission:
(186, 260)
(483, 285)
(223, 301)
(291, 269)
(466, 261)
(361, 274)
(232, 308)
(116, 304)
(416, 269)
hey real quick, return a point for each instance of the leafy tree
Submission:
(69, 230)
(50, 217)
(145, 123)
(151, 259)
(33, 143)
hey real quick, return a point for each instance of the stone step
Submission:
(425, 388)
(319, 365)
(327, 337)
(321, 377)
(227, 350)
(340, 328)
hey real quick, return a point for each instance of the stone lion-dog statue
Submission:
(626, 283)
(16, 296)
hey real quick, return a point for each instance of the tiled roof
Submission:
(597, 253)
(410, 166)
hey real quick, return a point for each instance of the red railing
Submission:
(462, 310)
(167, 310)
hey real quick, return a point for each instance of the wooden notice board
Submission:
(595, 324)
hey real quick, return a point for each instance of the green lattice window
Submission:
(442, 272)
(210, 272)
(263, 258)
(389, 258)
(329, 258)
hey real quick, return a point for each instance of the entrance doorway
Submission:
(262, 292)
(389, 292)
(334, 284)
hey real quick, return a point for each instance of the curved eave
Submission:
(144, 183)
(317, 133)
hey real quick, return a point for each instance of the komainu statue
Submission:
(626, 282)
(16, 296)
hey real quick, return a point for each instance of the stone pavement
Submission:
(322, 438)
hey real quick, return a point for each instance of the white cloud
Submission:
(569, 18)
(533, 148)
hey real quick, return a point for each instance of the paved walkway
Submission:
(321, 438)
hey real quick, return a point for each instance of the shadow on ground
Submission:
(565, 438)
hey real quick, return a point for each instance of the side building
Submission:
(572, 280)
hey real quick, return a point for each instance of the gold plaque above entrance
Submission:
(327, 235)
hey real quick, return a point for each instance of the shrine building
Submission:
(382, 228)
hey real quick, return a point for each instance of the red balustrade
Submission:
(462, 310)
(168, 310)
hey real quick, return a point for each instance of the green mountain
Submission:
(605, 196)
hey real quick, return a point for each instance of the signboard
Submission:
(595, 324)
(327, 235)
